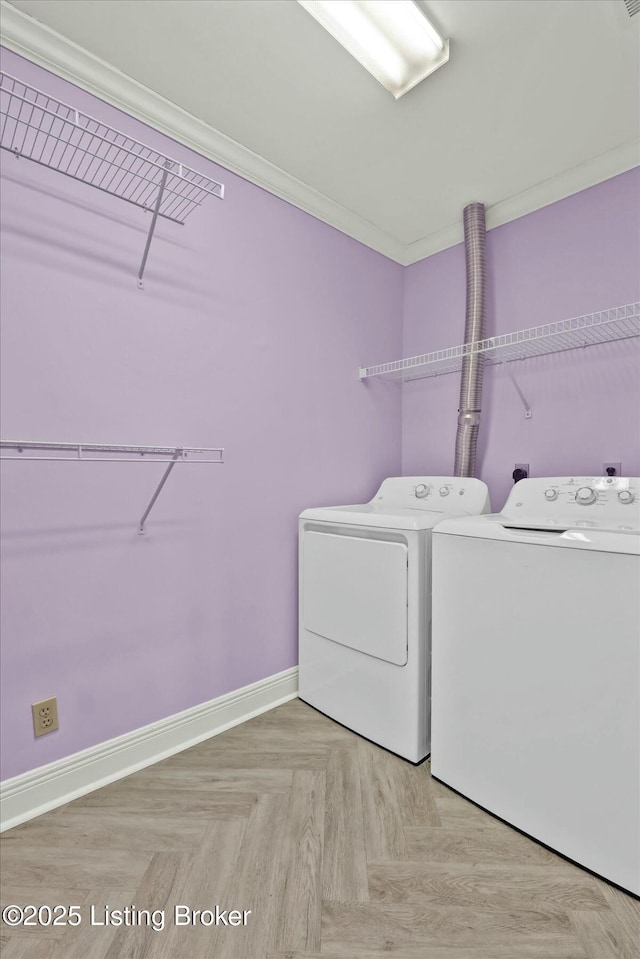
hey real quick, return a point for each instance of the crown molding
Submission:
(36, 42)
(581, 177)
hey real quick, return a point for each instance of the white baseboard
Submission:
(47, 787)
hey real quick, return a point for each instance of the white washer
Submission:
(365, 607)
(536, 666)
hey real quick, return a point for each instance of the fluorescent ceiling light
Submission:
(391, 38)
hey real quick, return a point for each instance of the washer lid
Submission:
(543, 531)
(582, 512)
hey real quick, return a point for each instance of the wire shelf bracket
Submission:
(617, 323)
(37, 127)
(527, 408)
(152, 226)
(101, 453)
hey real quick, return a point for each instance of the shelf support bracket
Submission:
(176, 457)
(156, 210)
(527, 409)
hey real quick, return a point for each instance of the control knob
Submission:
(444, 491)
(585, 496)
(421, 490)
(551, 494)
(626, 496)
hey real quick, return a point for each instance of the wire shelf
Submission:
(88, 452)
(428, 364)
(618, 323)
(38, 127)
(28, 450)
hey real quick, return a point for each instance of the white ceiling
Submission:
(540, 98)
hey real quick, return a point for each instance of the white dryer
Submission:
(365, 607)
(536, 666)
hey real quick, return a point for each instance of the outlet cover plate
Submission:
(45, 716)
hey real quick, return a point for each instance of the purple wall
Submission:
(577, 256)
(248, 335)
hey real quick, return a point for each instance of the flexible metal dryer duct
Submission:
(472, 365)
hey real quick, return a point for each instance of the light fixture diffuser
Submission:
(393, 39)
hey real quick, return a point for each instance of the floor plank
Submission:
(26, 864)
(381, 803)
(344, 869)
(110, 830)
(301, 864)
(540, 947)
(256, 884)
(230, 780)
(495, 843)
(30, 949)
(254, 757)
(386, 927)
(484, 886)
(89, 940)
(625, 910)
(205, 804)
(603, 936)
(453, 810)
(416, 799)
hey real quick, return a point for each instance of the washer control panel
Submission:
(579, 500)
(448, 494)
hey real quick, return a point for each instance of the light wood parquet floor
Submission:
(339, 849)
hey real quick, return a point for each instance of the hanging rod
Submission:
(54, 134)
(86, 453)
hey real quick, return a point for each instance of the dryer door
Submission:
(354, 592)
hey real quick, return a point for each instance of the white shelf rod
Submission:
(86, 453)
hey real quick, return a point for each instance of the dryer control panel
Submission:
(434, 493)
(579, 500)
